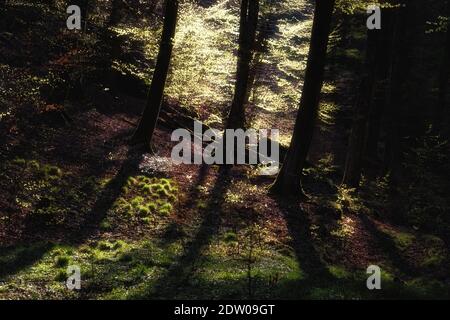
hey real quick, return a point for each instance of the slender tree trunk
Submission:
(247, 34)
(113, 41)
(147, 124)
(396, 96)
(288, 181)
(441, 114)
(383, 65)
(259, 48)
(363, 141)
(396, 103)
(354, 160)
(371, 153)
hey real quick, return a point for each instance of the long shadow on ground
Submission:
(178, 275)
(308, 258)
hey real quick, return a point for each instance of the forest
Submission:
(224, 149)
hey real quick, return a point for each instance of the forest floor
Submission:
(72, 192)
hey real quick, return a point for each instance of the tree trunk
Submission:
(374, 126)
(147, 124)
(354, 160)
(396, 103)
(247, 34)
(441, 114)
(396, 96)
(383, 65)
(288, 181)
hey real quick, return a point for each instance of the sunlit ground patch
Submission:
(108, 269)
(146, 199)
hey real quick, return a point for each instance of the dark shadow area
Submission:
(173, 231)
(308, 258)
(389, 248)
(14, 259)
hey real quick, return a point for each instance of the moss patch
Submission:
(146, 198)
